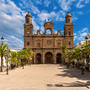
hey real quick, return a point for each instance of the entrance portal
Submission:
(59, 58)
(48, 58)
(38, 58)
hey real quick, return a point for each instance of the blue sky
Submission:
(12, 18)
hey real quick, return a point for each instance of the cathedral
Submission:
(46, 46)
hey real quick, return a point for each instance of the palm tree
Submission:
(63, 49)
(19, 57)
(2, 53)
(13, 58)
(77, 55)
(87, 53)
(30, 53)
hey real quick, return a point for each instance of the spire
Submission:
(68, 12)
(28, 12)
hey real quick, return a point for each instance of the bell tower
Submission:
(48, 25)
(28, 30)
(68, 31)
(68, 27)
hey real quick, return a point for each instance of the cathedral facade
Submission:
(46, 46)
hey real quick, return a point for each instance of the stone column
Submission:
(54, 57)
(34, 58)
(43, 57)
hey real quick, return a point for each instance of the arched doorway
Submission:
(59, 58)
(38, 58)
(48, 58)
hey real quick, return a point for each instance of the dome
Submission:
(68, 15)
(28, 14)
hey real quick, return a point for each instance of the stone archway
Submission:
(59, 58)
(38, 58)
(48, 58)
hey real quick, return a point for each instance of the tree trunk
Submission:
(78, 64)
(87, 62)
(1, 63)
(63, 59)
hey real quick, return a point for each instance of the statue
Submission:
(45, 20)
(48, 20)
(51, 21)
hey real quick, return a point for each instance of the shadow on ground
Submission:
(74, 72)
(74, 84)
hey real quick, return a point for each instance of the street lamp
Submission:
(68, 60)
(2, 40)
(7, 53)
(61, 59)
(23, 60)
(86, 38)
(82, 61)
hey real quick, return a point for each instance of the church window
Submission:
(69, 33)
(58, 44)
(28, 21)
(27, 32)
(27, 43)
(69, 43)
(27, 28)
(69, 28)
(38, 44)
(68, 20)
(48, 31)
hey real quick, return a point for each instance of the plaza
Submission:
(44, 77)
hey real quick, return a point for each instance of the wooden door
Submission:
(48, 59)
(39, 60)
(58, 60)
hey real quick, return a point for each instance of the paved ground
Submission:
(44, 77)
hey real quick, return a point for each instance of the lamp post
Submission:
(23, 60)
(68, 60)
(7, 53)
(61, 60)
(82, 61)
(2, 40)
(86, 38)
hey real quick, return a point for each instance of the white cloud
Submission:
(47, 2)
(12, 20)
(28, 5)
(38, 1)
(80, 35)
(65, 4)
(74, 18)
(80, 12)
(87, 1)
(79, 5)
(55, 7)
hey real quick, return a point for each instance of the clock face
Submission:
(48, 42)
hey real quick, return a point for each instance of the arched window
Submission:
(68, 20)
(48, 31)
(69, 33)
(69, 43)
(38, 44)
(27, 43)
(58, 44)
(28, 21)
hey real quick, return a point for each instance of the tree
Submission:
(63, 49)
(13, 58)
(77, 55)
(30, 53)
(2, 53)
